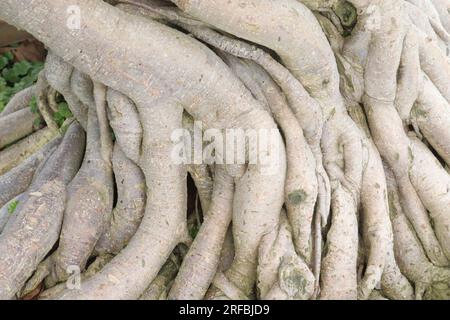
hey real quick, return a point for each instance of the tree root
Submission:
(19, 101)
(347, 199)
(130, 207)
(17, 180)
(15, 154)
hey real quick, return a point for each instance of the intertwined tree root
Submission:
(357, 97)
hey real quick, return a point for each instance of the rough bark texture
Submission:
(348, 198)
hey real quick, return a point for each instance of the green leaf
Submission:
(62, 114)
(10, 75)
(17, 77)
(8, 55)
(3, 62)
(38, 65)
(21, 68)
(5, 93)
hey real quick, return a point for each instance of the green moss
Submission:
(293, 281)
(392, 209)
(194, 231)
(438, 291)
(12, 206)
(333, 112)
(347, 15)
(420, 112)
(411, 154)
(297, 196)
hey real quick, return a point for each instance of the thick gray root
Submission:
(159, 288)
(17, 125)
(164, 222)
(29, 237)
(282, 274)
(89, 200)
(130, 207)
(17, 180)
(432, 115)
(20, 101)
(432, 181)
(38, 222)
(15, 154)
(124, 120)
(201, 262)
(58, 74)
(413, 262)
(338, 276)
(7, 211)
(200, 173)
(42, 102)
